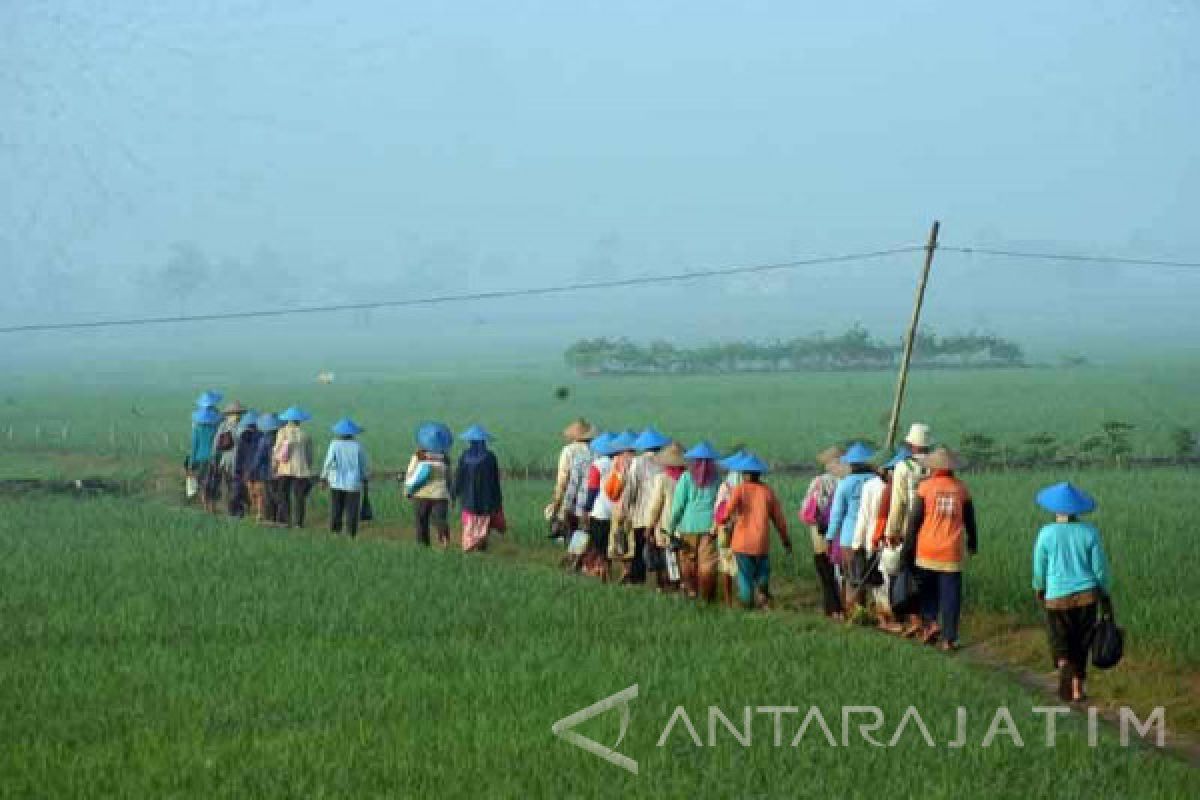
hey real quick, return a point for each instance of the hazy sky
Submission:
(358, 150)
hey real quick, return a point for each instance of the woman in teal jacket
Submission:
(1070, 578)
(692, 522)
(200, 463)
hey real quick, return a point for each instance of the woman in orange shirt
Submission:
(753, 507)
(941, 514)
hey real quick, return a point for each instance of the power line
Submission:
(1144, 262)
(467, 296)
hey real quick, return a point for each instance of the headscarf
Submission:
(475, 452)
(703, 472)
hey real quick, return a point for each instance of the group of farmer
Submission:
(891, 539)
(263, 465)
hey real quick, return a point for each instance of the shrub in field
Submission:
(977, 448)
(1041, 447)
(1183, 443)
(1117, 433)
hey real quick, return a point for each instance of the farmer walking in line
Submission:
(201, 464)
(345, 473)
(477, 488)
(595, 511)
(427, 482)
(814, 512)
(573, 462)
(662, 492)
(260, 480)
(727, 567)
(843, 517)
(1071, 579)
(941, 525)
(225, 452)
(293, 460)
(638, 502)
(692, 522)
(243, 463)
(753, 508)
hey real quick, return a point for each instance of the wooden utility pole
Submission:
(902, 380)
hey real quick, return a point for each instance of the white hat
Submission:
(918, 435)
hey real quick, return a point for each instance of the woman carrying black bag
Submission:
(1070, 578)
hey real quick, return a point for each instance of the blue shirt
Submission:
(345, 465)
(1069, 558)
(202, 442)
(843, 514)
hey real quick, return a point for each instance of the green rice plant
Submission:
(152, 652)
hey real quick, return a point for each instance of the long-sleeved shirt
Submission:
(1068, 557)
(663, 493)
(754, 508)
(295, 442)
(693, 506)
(905, 478)
(345, 465)
(821, 489)
(572, 457)
(868, 513)
(244, 452)
(202, 443)
(843, 516)
(437, 485)
(226, 459)
(639, 491)
(260, 464)
(943, 512)
(477, 483)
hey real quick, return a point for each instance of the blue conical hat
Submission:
(704, 450)
(1065, 498)
(475, 433)
(858, 453)
(748, 462)
(600, 445)
(626, 440)
(295, 414)
(727, 461)
(651, 439)
(209, 399)
(268, 422)
(346, 427)
(434, 437)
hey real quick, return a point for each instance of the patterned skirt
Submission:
(475, 531)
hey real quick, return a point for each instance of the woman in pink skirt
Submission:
(477, 488)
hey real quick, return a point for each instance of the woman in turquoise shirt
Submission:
(843, 516)
(692, 522)
(1070, 577)
(200, 465)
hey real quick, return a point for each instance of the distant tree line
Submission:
(855, 349)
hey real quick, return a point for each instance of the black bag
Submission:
(224, 441)
(904, 589)
(365, 512)
(1108, 640)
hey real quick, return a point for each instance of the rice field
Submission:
(785, 417)
(150, 650)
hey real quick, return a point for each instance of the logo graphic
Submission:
(564, 728)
